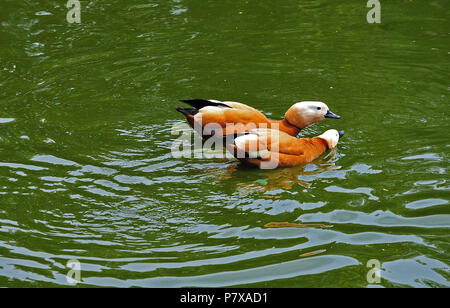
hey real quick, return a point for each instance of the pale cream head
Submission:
(331, 136)
(306, 113)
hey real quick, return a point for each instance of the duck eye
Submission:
(319, 108)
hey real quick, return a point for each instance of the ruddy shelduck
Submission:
(237, 118)
(269, 148)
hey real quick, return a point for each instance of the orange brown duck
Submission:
(213, 117)
(268, 148)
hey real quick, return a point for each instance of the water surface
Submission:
(86, 117)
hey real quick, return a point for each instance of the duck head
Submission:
(332, 137)
(303, 114)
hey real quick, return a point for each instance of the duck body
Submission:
(268, 148)
(228, 117)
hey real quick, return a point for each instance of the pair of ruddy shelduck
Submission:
(259, 141)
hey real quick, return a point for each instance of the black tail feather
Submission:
(187, 111)
(200, 103)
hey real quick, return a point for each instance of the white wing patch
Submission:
(242, 140)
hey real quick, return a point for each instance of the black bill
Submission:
(331, 115)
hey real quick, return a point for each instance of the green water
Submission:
(86, 171)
